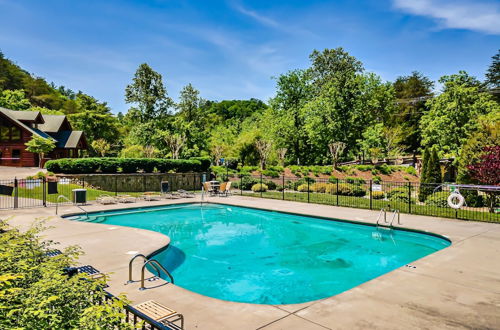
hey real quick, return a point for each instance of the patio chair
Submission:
(161, 314)
(222, 188)
(105, 199)
(227, 189)
(185, 193)
(209, 189)
(150, 196)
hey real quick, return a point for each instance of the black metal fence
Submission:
(482, 203)
(29, 193)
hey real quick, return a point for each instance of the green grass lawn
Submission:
(66, 190)
(364, 203)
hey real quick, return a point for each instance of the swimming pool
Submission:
(256, 256)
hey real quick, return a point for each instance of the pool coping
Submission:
(434, 279)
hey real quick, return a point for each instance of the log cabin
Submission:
(18, 127)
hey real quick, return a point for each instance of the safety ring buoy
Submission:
(456, 200)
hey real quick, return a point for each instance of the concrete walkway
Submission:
(455, 288)
(10, 172)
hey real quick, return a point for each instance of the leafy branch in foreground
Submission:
(35, 292)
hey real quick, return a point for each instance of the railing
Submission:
(66, 198)
(145, 259)
(384, 212)
(395, 215)
(29, 193)
(152, 261)
(482, 202)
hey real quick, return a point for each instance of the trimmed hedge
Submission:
(259, 187)
(125, 165)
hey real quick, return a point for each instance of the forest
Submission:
(332, 111)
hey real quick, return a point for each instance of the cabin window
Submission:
(16, 153)
(15, 133)
(4, 133)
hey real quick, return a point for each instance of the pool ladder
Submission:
(154, 263)
(395, 215)
(66, 198)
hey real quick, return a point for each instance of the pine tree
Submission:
(423, 191)
(434, 168)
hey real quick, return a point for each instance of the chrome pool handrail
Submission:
(145, 259)
(396, 212)
(154, 262)
(384, 212)
(66, 198)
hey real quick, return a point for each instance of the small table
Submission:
(215, 185)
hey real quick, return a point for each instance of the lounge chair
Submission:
(165, 191)
(225, 189)
(150, 196)
(185, 193)
(105, 199)
(161, 314)
(125, 199)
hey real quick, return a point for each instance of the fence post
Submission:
(261, 184)
(308, 194)
(16, 195)
(337, 192)
(283, 186)
(409, 197)
(371, 196)
(44, 192)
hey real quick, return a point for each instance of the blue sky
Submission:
(232, 49)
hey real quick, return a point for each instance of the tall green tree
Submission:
(293, 91)
(453, 114)
(411, 93)
(493, 76)
(148, 94)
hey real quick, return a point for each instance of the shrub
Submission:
(377, 179)
(398, 195)
(411, 170)
(375, 171)
(384, 169)
(271, 185)
(350, 179)
(302, 181)
(271, 173)
(127, 165)
(35, 293)
(280, 187)
(378, 195)
(332, 179)
(259, 187)
(205, 163)
(439, 199)
(304, 188)
(346, 189)
(364, 168)
(319, 187)
(247, 182)
(472, 198)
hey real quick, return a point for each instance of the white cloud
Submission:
(471, 15)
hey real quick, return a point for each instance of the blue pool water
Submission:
(255, 256)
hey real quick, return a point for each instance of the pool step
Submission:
(95, 219)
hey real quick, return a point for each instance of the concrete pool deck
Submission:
(455, 288)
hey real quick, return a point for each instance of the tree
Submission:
(293, 91)
(133, 151)
(281, 155)
(453, 114)
(411, 93)
(336, 150)
(148, 93)
(264, 149)
(40, 146)
(493, 73)
(101, 146)
(431, 173)
(487, 171)
(175, 142)
(14, 100)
